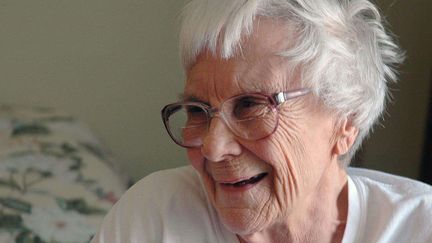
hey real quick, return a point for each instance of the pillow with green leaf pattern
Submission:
(57, 181)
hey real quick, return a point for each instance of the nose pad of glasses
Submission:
(219, 143)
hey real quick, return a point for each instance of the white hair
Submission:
(346, 56)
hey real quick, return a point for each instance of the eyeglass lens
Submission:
(250, 117)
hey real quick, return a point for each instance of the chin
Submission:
(241, 221)
(247, 219)
(243, 211)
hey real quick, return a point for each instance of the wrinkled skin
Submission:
(304, 196)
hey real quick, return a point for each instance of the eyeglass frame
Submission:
(275, 99)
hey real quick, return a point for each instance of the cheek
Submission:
(196, 159)
(287, 147)
(306, 148)
(283, 150)
(286, 152)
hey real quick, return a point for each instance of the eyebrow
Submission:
(190, 98)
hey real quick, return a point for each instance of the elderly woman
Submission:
(279, 94)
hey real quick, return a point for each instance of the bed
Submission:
(57, 180)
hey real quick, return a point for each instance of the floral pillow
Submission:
(56, 180)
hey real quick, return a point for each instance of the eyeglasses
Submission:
(249, 116)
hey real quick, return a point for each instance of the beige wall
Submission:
(115, 64)
(396, 145)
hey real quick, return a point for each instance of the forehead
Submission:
(255, 67)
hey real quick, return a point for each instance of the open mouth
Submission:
(252, 180)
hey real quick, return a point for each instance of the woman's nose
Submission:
(219, 143)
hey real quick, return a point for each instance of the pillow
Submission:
(57, 181)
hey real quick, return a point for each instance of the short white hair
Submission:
(345, 54)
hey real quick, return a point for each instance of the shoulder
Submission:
(167, 183)
(393, 208)
(371, 180)
(169, 191)
(165, 206)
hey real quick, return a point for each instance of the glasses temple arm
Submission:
(284, 96)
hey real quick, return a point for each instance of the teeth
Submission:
(251, 180)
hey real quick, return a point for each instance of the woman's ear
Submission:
(346, 134)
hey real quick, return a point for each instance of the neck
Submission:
(321, 217)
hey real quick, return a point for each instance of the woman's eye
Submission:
(194, 110)
(250, 102)
(248, 107)
(195, 114)
(246, 103)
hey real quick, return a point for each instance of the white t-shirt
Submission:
(387, 208)
(171, 206)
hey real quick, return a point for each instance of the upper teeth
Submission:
(243, 182)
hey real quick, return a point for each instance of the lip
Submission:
(233, 180)
(242, 184)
